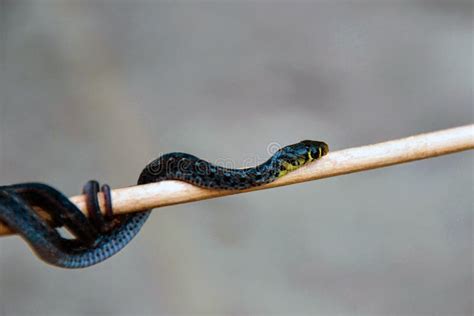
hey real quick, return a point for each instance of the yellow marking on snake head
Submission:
(319, 155)
(282, 173)
(288, 167)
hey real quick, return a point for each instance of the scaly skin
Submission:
(94, 242)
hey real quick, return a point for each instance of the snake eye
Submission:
(319, 151)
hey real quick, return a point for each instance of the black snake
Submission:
(97, 238)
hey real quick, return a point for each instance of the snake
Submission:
(98, 237)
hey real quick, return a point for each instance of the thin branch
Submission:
(153, 195)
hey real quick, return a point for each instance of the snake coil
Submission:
(98, 237)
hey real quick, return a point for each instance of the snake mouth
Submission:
(324, 149)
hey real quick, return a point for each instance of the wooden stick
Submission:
(153, 195)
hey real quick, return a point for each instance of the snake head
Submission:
(314, 149)
(294, 156)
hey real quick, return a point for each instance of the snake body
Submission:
(91, 245)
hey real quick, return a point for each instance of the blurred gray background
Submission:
(96, 89)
